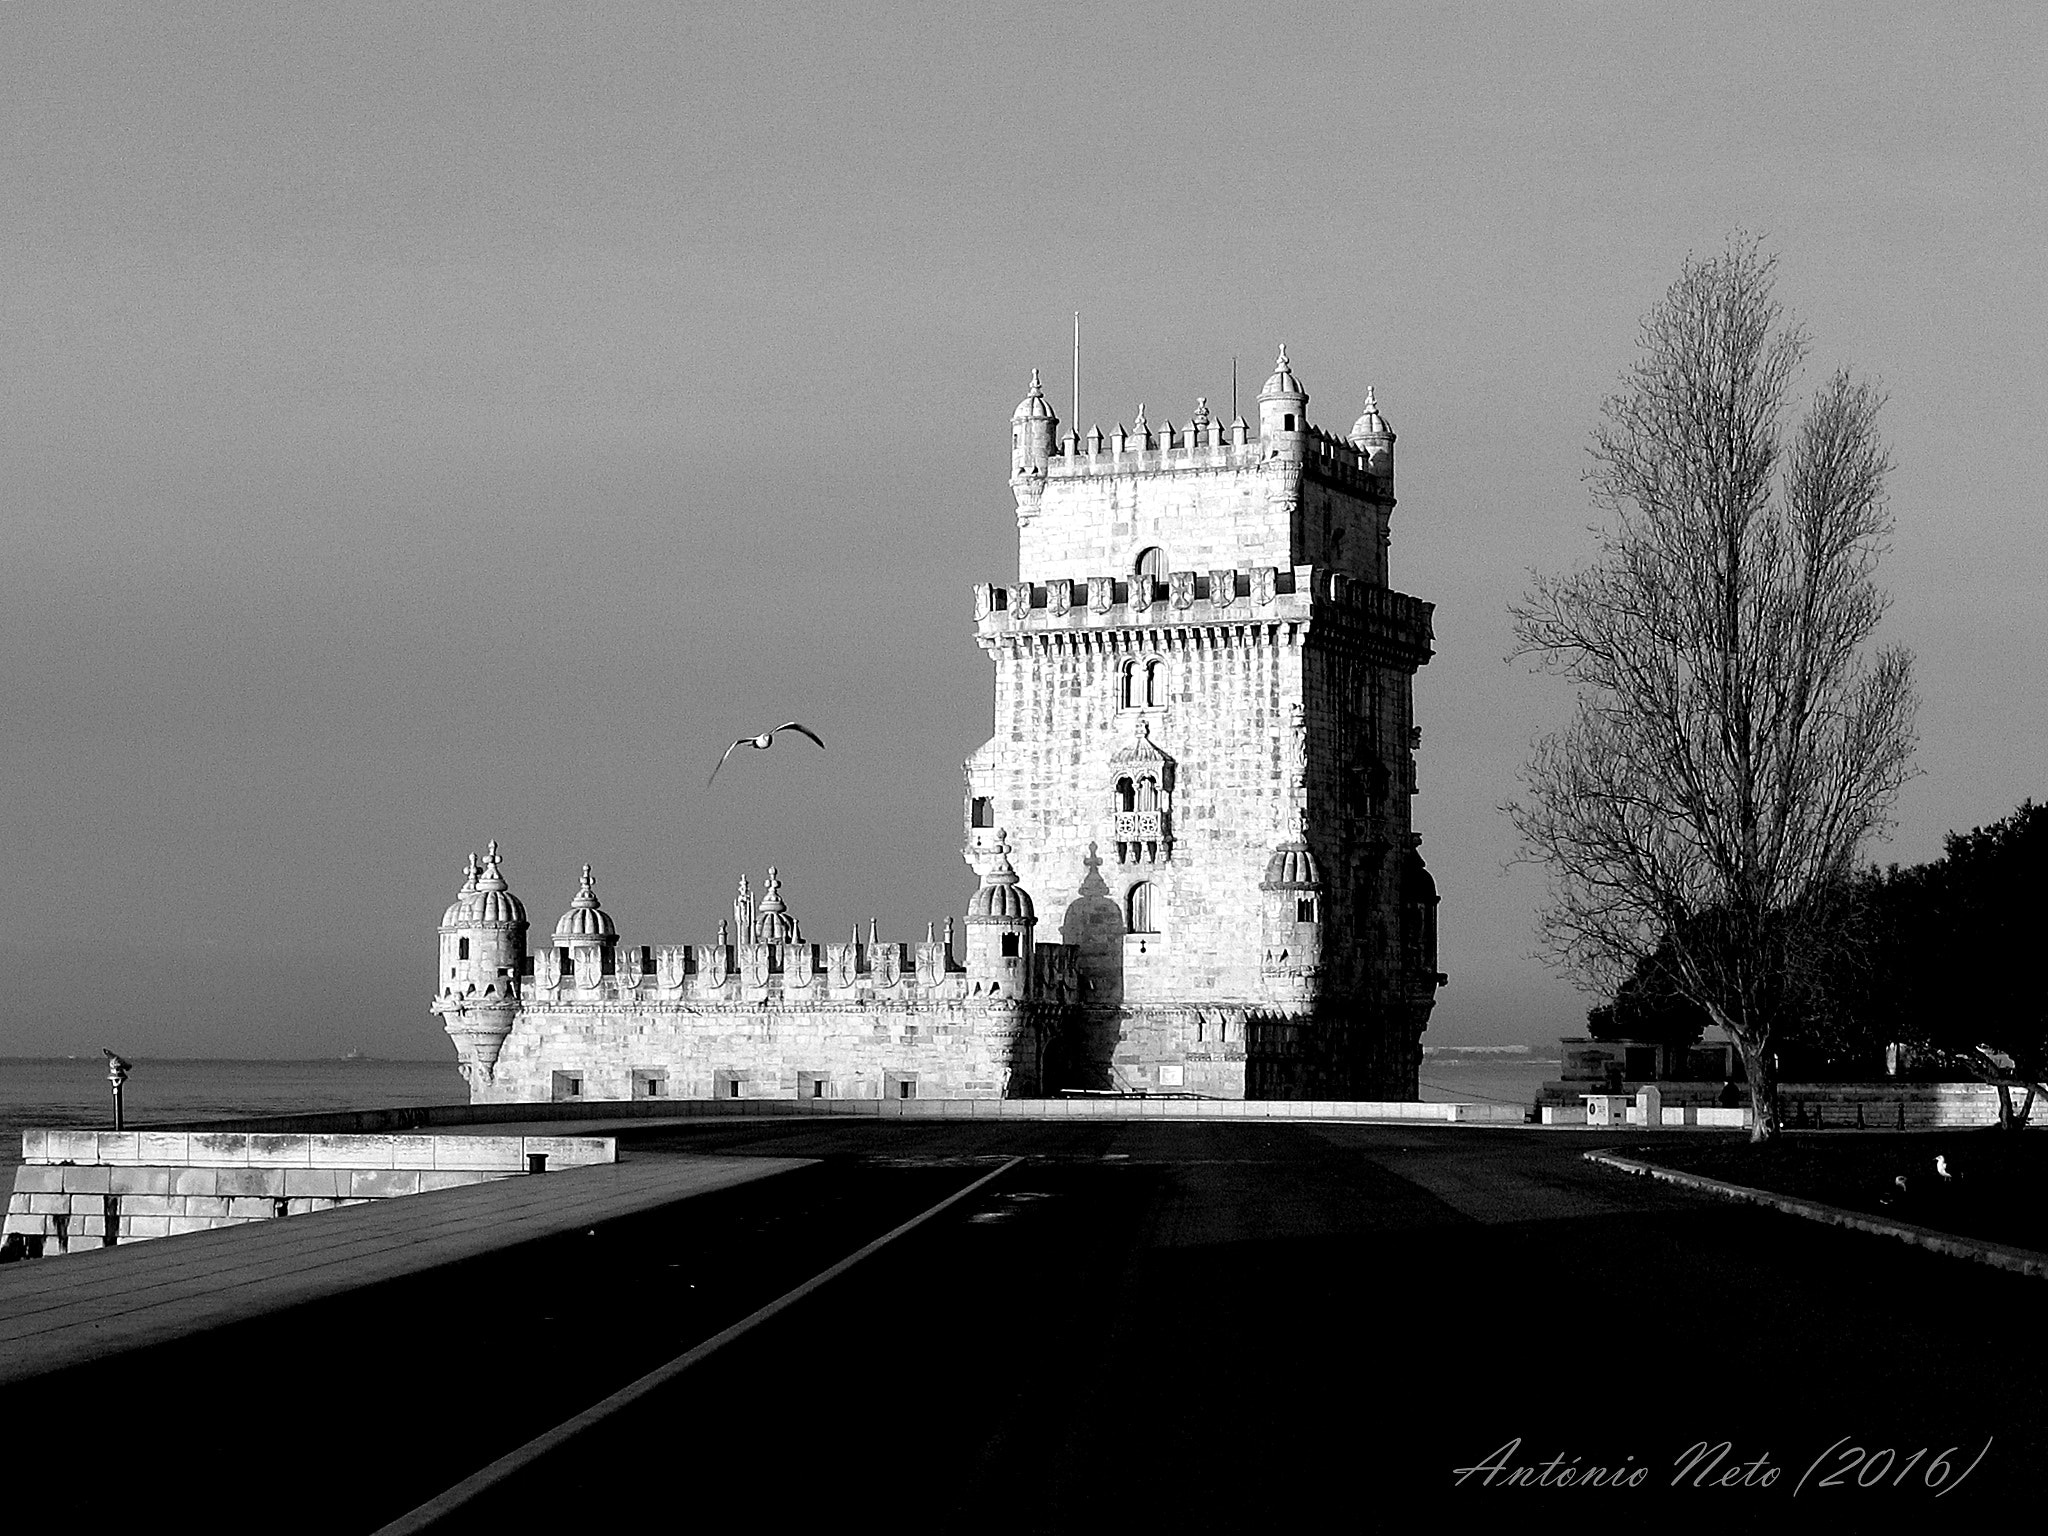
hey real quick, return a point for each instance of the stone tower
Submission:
(483, 956)
(1204, 750)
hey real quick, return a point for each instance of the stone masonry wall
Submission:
(956, 1050)
(80, 1190)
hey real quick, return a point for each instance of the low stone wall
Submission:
(78, 1190)
(1815, 1106)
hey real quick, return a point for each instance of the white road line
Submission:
(448, 1502)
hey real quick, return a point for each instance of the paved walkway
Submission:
(64, 1311)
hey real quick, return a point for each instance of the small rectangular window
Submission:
(462, 952)
(732, 1088)
(568, 1086)
(650, 1083)
(906, 1089)
(817, 1087)
(1305, 909)
(1010, 946)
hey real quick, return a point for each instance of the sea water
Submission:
(1486, 1074)
(74, 1091)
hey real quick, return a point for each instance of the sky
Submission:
(424, 424)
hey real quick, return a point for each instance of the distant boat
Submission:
(355, 1055)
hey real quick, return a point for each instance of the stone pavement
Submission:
(63, 1312)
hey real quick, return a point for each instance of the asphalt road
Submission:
(1223, 1326)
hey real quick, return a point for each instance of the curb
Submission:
(2020, 1261)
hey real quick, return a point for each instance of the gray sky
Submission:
(426, 423)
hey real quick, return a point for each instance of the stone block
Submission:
(253, 1181)
(179, 1225)
(506, 1152)
(163, 1148)
(280, 1151)
(25, 1224)
(213, 1206)
(255, 1207)
(136, 1227)
(85, 1231)
(412, 1151)
(215, 1149)
(312, 1183)
(152, 1205)
(86, 1181)
(383, 1183)
(570, 1151)
(351, 1152)
(33, 1144)
(94, 1206)
(120, 1147)
(139, 1181)
(72, 1147)
(195, 1181)
(30, 1179)
(49, 1205)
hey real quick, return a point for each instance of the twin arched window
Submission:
(1139, 794)
(1143, 685)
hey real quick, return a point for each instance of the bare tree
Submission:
(1731, 745)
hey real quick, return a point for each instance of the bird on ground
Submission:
(761, 742)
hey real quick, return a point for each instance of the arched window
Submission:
(1150, 567)
(1155, 684)
(1126, 795)
(1147, 795)
(983, 813)
(1138, 908)
(1127, 688)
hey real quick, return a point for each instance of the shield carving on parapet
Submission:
(842, 959)
(1059, 595)
(668, 968)
(887, 964)
(754, 964)
(1222, 588)
(928, 972)
(1180, 588)
(711, 964)
(1265, 584)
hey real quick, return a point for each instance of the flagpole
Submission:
(1077, 373)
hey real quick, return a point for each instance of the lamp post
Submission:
(117, 1074)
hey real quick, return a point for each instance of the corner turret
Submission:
(483, 956)
(1283, 410)
(1372, 436)
(1000, 920)
(1033, 430)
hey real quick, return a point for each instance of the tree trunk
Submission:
(1763, 1087)
(2005, 1106)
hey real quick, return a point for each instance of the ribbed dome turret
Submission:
(1283, 384)
(1033, 407)
(585, 919)
(1370, 423)
(1292, 868)
(1001, 899)
(494, 902)
(772, 921)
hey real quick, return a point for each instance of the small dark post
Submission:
(117, 1074)
(536, 1162)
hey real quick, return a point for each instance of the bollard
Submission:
(536, 1162)
(1650, 1105)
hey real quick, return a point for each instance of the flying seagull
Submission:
(760, 743)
